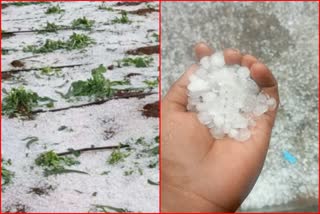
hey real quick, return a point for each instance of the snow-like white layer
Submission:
(89, 125)
(226, 98)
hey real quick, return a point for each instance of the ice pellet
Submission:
(226, 99)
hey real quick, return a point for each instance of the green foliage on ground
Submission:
(123, 19)
(75, 41)
(54, 164)
(20, 102)
(56, 9)
(139, 62)
(103, 6)
(117, 156)
(151, 83)
(6, 175)
(97, 86)
(82, 23)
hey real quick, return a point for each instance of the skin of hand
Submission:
(203, 174)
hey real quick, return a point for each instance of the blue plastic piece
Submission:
(289, 157)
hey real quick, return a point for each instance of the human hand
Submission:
(203, 174)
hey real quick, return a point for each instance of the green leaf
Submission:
(124, 19)
(104, 7)
(139, 62)
(31, 140)
(6, 175)
(152, 182)
(54, 10)
(54, 164)
(154, 150)
(97, 86)
(105, 173)
(117, 156)
(4, 91)
(21, 102)
(99, 70)
(151, 83)
(75, 41)
(50, 27)
(82, 23)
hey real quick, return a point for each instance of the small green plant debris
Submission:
(4, 51)
(124, 19)
(141, 141)
(78, 41)
(128, 172)
(155, 36)
(117, 156)
(151, 83)
(97, 86)
(31, 140)
(50, 27)
(139, 62)
(54, 10)
(105, 173)
(82, 23)
(156, 139)
(103, 6)
(75, 41)
(107, 209)
(6, 175)
(50, 71)
(21, 102)
(152, 182)
(153, 164)
(153, 151)
(54, 164)
(51, 160)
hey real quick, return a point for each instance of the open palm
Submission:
(203, 174)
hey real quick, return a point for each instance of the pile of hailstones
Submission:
(226, 99)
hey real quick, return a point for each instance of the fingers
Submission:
(248, 61)
(232, 56)
(202, 50)
(265, 80)
(268, 84)
(262, 75)
(177, 96)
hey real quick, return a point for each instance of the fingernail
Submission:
(199, 44)
(236, 50)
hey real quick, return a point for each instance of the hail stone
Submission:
(226, 99)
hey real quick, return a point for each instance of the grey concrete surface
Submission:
(285, 37)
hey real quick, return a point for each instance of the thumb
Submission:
(177, 96)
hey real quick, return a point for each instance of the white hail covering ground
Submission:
(226, 99)
(76, 192)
